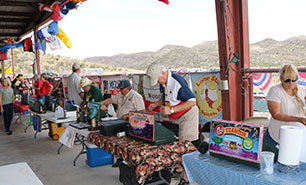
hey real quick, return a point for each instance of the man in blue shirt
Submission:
(178, 102)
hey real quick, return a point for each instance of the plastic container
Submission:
(97, 156)
(59, 112)
(266, 162)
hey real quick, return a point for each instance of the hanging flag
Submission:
(27, 45)
(48, 37)
(165, 1)
(40, 43)
(67, 6)
(53, 28)
(9, 41)
(7, 70)
(55, 44)
(63, 37)
(54, 8)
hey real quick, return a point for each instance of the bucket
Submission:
(266, 162)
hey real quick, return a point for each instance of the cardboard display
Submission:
(236, 141)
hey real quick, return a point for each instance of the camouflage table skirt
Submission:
(144, 157)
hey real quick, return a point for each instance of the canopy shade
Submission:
(19, 17)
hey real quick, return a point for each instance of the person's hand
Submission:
(302, 120)
(165, 110)
(152, 106)
(1, 109)
(125, 116)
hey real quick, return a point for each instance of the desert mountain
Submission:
(266, 53)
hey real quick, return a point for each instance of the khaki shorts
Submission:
(189, 124)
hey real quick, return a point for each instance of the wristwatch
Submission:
(171, 110)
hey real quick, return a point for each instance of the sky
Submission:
(110, 27)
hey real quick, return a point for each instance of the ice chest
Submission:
(97, 156)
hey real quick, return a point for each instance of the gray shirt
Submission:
(73, 83)
(7, 96)
(132, 101)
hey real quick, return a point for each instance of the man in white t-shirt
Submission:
(127, 100)
(74, 91)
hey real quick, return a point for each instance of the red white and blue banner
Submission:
(262, 80)
(302, 80)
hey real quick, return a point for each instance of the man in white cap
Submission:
(73, 82)
(127, 100)
(178, 102)
(91, 92)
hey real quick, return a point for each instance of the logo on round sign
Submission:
(247, 143)
(219, 130)
(208, 96)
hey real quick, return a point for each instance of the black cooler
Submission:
(112, 127)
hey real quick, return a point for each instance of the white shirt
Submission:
(73, 83)
(289, 106)
(132, 101)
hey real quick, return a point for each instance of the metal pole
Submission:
(37, 59)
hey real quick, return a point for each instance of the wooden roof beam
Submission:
(23, 20)
(9, 34)
(9, 13)
(18, 3)
(13, 26)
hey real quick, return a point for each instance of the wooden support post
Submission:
(232, 23)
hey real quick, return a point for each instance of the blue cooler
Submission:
(97, 156)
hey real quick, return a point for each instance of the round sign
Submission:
(247, 143)
(208, 96)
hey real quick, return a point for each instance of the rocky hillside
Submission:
(56, 64)
(266, 53)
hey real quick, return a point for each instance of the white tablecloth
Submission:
(18, 174)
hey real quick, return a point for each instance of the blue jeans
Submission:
(270, 145)
(8, 110)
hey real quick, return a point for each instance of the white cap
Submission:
(85, 82)
(76, 66)
(153, 72)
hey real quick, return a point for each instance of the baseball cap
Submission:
(153, 72)
(85, 82)
(124, 84)
(76, 66)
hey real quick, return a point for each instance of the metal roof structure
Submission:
(20, 17)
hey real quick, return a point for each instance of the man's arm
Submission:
(152, 106)
(106, 102)
(51, 88)
(81, 94)
(186, 105)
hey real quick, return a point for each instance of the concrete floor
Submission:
(51, 168)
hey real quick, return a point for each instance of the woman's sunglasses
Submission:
(290, 80)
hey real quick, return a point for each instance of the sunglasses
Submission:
(290, 80)
(122, 88)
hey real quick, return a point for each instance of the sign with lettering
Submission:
(236, 140)
(208, 96)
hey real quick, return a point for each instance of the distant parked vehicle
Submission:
(260, 94)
